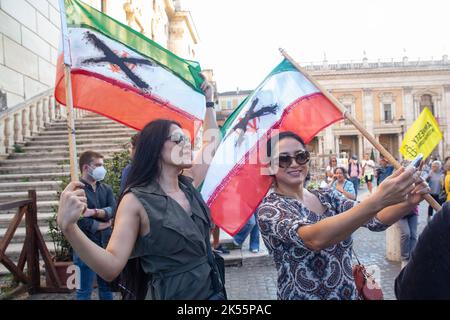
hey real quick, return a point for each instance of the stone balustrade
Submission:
(25, 120)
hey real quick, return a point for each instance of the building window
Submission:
(223, 104)
(387, 110)
(348, 101)
(228, 104)
(235, 103)
(387, 107)
(426, 101)
(348, 107)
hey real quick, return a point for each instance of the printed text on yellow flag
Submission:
(423, 136)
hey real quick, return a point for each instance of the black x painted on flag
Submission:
(111, 57)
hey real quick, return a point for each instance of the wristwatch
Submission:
(210, 104)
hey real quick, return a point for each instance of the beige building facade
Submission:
(386, 97)
(30, 35)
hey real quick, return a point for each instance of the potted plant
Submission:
(62, 254)
(62, 257)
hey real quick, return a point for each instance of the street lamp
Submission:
(401, 121)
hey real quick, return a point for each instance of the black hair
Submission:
(344, 172)
(281, 136)
(146, 166)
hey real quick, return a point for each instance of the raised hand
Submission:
(89, 213)
(397, 187)
(417, 195)
(207, 88)
(72, 205)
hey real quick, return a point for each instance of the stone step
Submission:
(62, 132)
(5, 219)
(25, 177)
(19, 235)
(32, 161)
(15, 196)
(92, 126)
(79, 141)
(80, 148)
(38, 168)
(59, 153)
(63, 137)
(42, 207)
(85, 121)
(25, 186)
(14, 249)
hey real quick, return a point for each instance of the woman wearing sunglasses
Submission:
(161, 218)
(309, 232)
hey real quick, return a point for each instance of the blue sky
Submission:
(240, 38)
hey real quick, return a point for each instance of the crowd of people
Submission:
(162, 222)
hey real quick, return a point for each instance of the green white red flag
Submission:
(119, 73)
(285, 101)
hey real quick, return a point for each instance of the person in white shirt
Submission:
(330, 169)
(368, 171)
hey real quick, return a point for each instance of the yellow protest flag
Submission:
(423, 136)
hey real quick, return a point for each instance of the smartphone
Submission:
(416, 162)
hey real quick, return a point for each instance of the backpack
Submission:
(350, 167)
(132, 282)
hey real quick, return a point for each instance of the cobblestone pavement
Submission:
(259, 282)
(256, 279)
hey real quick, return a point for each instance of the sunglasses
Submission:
(178, 137)
(285, 161)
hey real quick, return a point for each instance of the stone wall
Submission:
(29, 38)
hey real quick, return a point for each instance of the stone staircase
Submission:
(44, 161)
(43, 164)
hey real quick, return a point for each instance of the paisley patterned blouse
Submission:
(302, 273)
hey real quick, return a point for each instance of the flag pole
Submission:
(356, 123)
(69, 96)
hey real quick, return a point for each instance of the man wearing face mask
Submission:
(96, 220)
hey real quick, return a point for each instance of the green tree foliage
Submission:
(114, 167)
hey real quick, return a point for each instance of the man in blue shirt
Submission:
(384, 171)
(96, 221)
(126, 170)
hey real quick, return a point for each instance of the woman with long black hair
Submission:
(161, 217)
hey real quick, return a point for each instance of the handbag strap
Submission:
(356, 256)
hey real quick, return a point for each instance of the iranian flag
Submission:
(236, 181)
(119, 73)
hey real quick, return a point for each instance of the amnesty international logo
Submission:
(423, 136)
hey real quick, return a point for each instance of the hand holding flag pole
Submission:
(69, 97)
(355, 122)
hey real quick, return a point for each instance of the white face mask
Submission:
(98, 174)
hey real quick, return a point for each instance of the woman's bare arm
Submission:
(388, 204)
(109, 262)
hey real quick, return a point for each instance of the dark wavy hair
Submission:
(145, 168)
(281, 136)
(145, 165)
(344, 172)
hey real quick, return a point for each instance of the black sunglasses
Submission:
(285, 160)
(178, 137)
